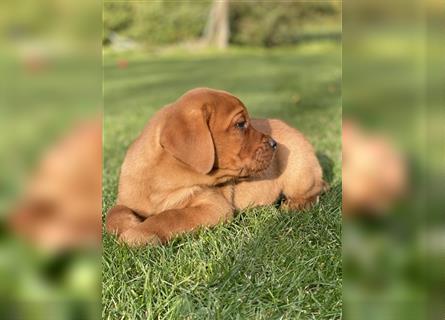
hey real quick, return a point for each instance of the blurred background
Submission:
(393, 160)
(51, 100)
(154, 24)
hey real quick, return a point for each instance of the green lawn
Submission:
(265, 264)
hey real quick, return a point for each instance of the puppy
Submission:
(202, 157)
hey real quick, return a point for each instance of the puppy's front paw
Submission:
(138, 238)
(300, 203)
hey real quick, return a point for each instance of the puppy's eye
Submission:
(241, 125)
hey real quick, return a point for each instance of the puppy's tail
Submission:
(121, 218)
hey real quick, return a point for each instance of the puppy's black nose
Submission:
(272, 143)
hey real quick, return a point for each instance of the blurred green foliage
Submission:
(117, 17)
(283, 22)
(156, 22)
(255, 23)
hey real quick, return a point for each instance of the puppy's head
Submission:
(210, 131)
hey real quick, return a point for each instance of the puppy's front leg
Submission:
(205, 210)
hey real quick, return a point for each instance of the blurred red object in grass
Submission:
(122, 63)
(35, 63)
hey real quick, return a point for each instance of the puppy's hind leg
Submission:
(120, 218)
(205, 210)
(303, 200)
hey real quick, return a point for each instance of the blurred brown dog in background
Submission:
(60, 208)
(374, 172)
(202, 157)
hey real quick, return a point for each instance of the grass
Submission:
(265, 264)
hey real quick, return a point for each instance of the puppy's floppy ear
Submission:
(186, 135)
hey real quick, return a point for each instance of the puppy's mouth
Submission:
(261, 161)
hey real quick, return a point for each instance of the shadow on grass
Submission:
(327, 165)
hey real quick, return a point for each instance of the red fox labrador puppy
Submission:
(202, 157)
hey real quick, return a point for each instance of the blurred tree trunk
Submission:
(217, 30)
